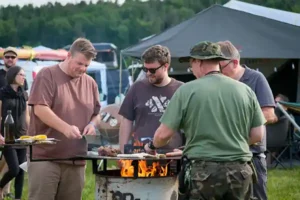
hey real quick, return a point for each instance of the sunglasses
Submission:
(152, 71)
(8, 57)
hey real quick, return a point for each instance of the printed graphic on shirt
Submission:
(157, 105)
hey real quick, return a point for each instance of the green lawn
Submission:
(282, 184)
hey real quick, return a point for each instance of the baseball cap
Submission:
(205, 51)
(10, 49)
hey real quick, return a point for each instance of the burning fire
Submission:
(127, 169)
(136, 141)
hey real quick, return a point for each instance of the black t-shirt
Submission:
(144, 104)
(3, 81)
(19, 116)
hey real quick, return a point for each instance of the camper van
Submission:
(108, 80)
(106, 54)
(95, 70)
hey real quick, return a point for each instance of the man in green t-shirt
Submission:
(217, 114)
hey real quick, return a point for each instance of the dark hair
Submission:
(11, 74)
(157, 53)
(283, 97)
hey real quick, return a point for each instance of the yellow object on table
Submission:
(36, 137)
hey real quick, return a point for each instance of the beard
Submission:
(155, 80)
(8, 65)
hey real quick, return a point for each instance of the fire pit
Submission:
(139, 179)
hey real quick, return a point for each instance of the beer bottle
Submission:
(9, 127)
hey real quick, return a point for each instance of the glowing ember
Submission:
(154, 170)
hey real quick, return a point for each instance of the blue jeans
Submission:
(260, 189)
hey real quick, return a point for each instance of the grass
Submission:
(282, 184)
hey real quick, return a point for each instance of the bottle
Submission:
(9, 126)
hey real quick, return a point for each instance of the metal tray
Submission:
(94, 157)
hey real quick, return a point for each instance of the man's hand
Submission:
(72, 132)
(89, 130)
(2, 139)
(148, 150)
(269, 115)
(176, 152)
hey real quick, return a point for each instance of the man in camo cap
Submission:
(217, 114)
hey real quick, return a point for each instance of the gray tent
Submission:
(279, 15)
(254, 36)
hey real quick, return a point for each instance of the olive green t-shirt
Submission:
(216, 114)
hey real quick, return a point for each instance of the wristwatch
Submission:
(151, 146)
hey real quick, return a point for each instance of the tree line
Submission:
(55, 26)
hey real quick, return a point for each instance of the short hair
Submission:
(229, 50)
(84, 46)
(157, 53)
(283, 97)
(11, 74)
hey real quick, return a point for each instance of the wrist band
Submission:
(92, 123)
(151, 145)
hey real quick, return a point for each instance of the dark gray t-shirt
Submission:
(145, 104)
(259, 84)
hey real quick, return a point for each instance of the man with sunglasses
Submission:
(10, 58)
(148, 98)
(259, 84)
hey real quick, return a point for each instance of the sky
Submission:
(42, 2)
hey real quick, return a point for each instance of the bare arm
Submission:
(96, 120)
(27, 116)
(1, 114)
(124, 132)
(162, 136)
(256, 134)
(269, 114)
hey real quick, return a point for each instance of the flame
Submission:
(127, 169)
(136, 141)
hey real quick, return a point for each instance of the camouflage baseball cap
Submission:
(205, 51)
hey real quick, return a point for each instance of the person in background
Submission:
(14, 98)
(278, 98)
(65, 105)
(10, 59)
(148, 98)
(259, 84)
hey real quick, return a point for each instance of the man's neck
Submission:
(206, 70)
(63, 67)
(239, 73)
(165, 82)
(5, 68)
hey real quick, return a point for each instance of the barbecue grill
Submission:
(110, 185)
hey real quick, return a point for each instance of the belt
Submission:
(261, 155)
(219, 162)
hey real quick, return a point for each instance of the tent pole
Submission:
(298, 82)
(120, 83)
(288, 116)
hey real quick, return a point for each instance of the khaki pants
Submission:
(3, 170)
(55, 181)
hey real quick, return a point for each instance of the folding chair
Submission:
(278, 139)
